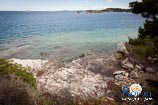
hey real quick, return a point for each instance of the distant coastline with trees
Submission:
(106, 10)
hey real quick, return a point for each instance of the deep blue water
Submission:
(63, 34)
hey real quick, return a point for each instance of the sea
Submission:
(64, 34)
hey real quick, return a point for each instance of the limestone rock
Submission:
(84, 77)
(119, 72)
(122, 48)
(81, 77)
(120, 75)
(126, 64)
(138, 67)
(32, 63)
(134, 74)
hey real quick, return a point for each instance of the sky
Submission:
(55, 5)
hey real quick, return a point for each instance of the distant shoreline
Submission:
(106, 10)
(78, 11)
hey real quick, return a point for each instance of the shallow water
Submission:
(63, 35)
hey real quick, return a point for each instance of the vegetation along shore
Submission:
(106, 10)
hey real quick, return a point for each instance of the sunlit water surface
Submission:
(63, 35)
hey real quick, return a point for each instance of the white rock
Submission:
(134, 74)
(122, 48)
(120, 75)
(119, 72)
(126, 74)
(138, 67)
(32, 63)
(126, 64)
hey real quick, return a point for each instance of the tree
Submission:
(149, 10)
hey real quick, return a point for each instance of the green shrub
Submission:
(82, 55)
(140, 51)
(7, 68)
(143, 48)
(144, 51)
(140, 41)
(136, 41)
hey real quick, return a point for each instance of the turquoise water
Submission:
(63, 34)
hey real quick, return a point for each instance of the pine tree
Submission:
(149, 10)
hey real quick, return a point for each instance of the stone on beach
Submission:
(35, 64)
(134, 74)
(122, 48)
(32, 63)
(127, 64)
(120, 75)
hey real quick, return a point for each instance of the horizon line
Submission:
(61, 10)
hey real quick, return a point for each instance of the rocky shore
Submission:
(91, 76)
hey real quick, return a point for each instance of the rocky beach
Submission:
(91, 76)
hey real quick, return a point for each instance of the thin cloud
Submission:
(109, 0)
